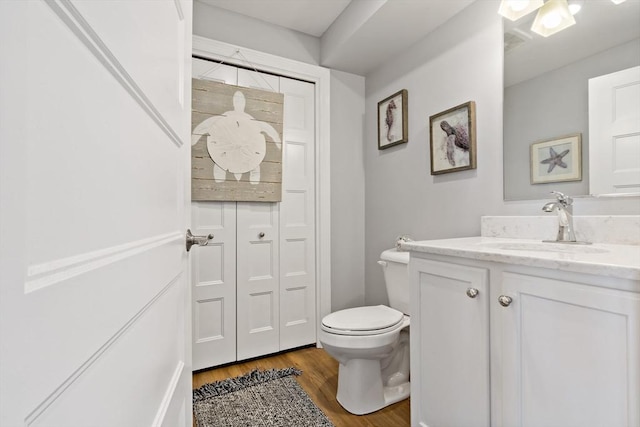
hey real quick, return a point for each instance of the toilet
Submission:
(372, 344)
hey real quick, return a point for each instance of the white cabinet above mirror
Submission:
(546, 89)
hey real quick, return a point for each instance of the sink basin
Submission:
(568, 248)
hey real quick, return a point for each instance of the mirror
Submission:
(546, 87)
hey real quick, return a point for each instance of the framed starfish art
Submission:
(557, 160)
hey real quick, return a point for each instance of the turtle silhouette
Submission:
(236, 141)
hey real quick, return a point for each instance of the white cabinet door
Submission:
(449, 345)
(569, 354)
(614, 132)
(94, 148)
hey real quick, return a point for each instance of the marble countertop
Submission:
(621, 261)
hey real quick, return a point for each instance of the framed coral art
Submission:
(556, 160)
(393, 127)
(453, 139)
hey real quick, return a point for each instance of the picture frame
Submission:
(557, 160)
(453, 139)
(393, 125)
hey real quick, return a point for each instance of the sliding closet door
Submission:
(213, 267)
(297, 217)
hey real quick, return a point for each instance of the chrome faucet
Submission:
(563, 205)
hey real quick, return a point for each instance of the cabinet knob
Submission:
(261, 235)
(472, 292)
(504, 300)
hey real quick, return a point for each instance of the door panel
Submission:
(450, 356)
(297, 217)
(214, 266)
(214, 285)
(95, 298)
(566, 348)
(257, 279)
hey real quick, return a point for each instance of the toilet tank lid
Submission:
(395, 256)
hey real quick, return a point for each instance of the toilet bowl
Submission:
(371, 344)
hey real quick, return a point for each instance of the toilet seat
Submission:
(363, 321)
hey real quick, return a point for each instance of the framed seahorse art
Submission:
(393, 125)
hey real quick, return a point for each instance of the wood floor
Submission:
(320, 380)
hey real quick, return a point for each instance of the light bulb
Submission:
(551, 20)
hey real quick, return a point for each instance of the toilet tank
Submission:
(395, 265)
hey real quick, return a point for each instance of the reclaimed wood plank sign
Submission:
(236, 143)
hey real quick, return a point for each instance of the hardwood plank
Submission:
(320, 380)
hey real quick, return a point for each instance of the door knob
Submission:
(197, 240)
(504, 300)
(472, 292)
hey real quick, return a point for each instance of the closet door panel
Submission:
(258, 299)
(297, 217)
(213, 267)
(213, 275)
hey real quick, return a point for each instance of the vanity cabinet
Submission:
(535, 347)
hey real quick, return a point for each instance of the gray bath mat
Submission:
(259, 398)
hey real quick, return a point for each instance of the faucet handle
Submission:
(562, 198)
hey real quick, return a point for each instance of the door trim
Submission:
(320, 76)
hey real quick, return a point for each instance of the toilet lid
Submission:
(363, 320)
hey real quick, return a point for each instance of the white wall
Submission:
(347, 190)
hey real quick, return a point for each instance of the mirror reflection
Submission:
(546, 90)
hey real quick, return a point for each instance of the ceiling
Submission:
(311, 17)
(357, 36)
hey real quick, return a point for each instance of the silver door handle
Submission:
(197, 240)
(504, 300)
(472, 292)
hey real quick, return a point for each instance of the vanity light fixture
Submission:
(554, 16)
(516, 9)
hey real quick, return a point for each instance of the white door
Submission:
(297, 217)
(450, 350)
(273, 307)
(94, 139)
(614, 132)
(568, 353)
(213, 268)
(258, 260)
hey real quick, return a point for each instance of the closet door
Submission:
(213, 267)
(213, 274)
(257, 260)
(297, 217)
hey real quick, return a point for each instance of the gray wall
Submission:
(459, 62)
(549, 106)
(347, 190)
